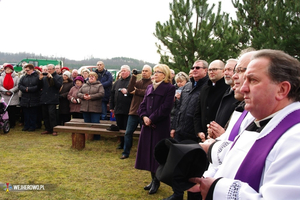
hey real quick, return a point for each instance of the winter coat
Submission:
(119, 102)
(50, 89)
(96, 91)
(106, 80)
(139, 87)
(156, 105)
(74, 107)
(30, 88)
(64, 103)
(226, 107)
(15, 99)
(208, 104)
(183, 121)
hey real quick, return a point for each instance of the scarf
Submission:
(8, 81)
(155, 85)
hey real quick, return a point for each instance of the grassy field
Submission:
(93, 173)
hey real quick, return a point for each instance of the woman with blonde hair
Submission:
(155, 112)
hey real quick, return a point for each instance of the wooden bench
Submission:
(101, 121)
(79, 133)
(102, 124)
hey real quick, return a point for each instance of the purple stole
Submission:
(252, 166)
(235, 129)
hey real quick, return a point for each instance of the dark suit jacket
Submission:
(226, 107)
(208, 104)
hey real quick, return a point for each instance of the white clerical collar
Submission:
(257, 122)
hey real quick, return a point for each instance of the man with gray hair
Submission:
(137, 88)
(120, 100)
(51, 84)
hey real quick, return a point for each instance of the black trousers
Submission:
(12, 114)
(30, 116)
(121, 123)
(121, 120)
(49, 116)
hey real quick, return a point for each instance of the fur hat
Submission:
(67, 73)
(178, 162)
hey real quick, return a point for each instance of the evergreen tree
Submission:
(272, 24)
(193, 32)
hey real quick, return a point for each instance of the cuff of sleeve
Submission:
(210, 193)
(209, 152)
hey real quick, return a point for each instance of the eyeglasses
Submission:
(239, 70)
(228, 69)
(214, 69)
(158, 72)
(197, 67)
(27, 70)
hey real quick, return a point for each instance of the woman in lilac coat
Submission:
(155, 112)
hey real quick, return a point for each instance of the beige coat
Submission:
(96, 91)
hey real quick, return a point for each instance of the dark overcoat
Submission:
(157, 105)
(64, 103)
(31, 96)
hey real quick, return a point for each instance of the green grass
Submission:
(93, 173)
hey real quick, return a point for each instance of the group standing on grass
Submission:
(244, 114)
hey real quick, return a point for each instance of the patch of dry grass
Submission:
(93, 173)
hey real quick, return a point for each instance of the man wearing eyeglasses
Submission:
(182, 126)
(210, 98)
(228, 102)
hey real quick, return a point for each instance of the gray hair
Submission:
(125, 67)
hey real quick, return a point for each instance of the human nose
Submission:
(245, 87)
(235, 76)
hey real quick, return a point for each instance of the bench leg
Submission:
(89, 137)
(78, 141)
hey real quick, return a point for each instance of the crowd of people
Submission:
(243, 113)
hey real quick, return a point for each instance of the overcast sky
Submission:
(80, 29)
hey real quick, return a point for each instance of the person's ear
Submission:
(283, 90)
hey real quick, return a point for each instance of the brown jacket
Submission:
(138, 96)
(96, 91)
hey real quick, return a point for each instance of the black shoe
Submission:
(124, 157)
(148, 187)
(25, 129)
(113, 128)
(31, 130)
(155, 186)
(120, 146)
(173, 197)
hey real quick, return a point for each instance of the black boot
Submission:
(155, 186)
(148, 187)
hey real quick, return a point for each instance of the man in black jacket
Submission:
(210, 98)
(183, 124)
(51, 84)
(228, 102)
(120, 100)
